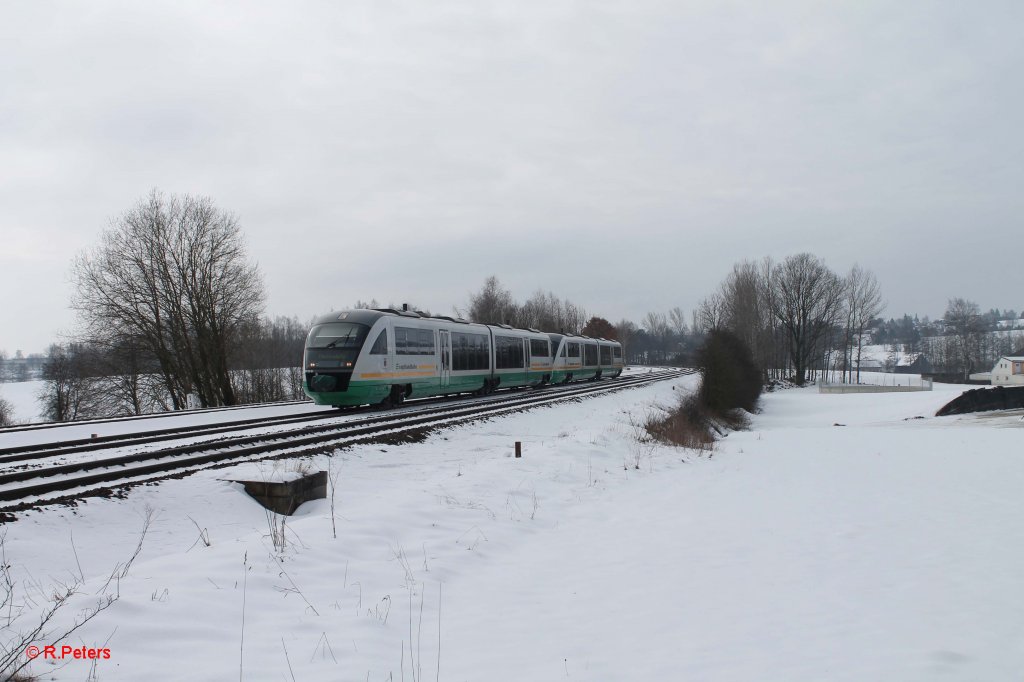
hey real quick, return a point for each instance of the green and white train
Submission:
(364, 357)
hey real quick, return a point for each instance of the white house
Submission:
(1009, 371)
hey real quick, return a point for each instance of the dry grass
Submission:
(687, 425)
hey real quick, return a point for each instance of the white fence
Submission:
(920, 385)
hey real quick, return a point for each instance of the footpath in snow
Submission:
(840, 538)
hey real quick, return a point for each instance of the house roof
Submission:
(1012, 358)
(908, 359)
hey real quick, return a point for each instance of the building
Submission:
(870, 365)
(1008, 371)
(913, 363)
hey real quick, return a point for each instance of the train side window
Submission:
(508, 352)
(469, 351)
(402, 341)
(617, 351)
(380, 346)
(426, 342)
(409, 341)
(483, 354)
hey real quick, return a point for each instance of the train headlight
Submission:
(348, 364)
(312, 365)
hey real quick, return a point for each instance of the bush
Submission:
(685, 425)
(731, 378)
(730, 381)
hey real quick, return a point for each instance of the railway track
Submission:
(44, 426)
(46, 476)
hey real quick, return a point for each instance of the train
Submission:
(385, 356)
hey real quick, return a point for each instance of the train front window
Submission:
(337, 335)
(334, 345)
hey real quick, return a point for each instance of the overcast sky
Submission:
(621, 154)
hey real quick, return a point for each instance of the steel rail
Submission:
(187, 459)
(39, 451)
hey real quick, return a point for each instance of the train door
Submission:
(526, 357)
(377, 360)
(445, 343)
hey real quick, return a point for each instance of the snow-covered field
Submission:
(22, 397)
(840, 538)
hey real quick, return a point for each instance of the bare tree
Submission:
(677, 321)
(709, 315)
(658, 329)
(806, 297)
(625, 331)
(863, 304)
(493, 304)
(267, 364)
(541, 311)
(573, 318)
(70, 388)
(172, 275)
(741, 308)
(6, 412)
(964, 323)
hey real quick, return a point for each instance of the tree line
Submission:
(83, 380)
(798, 316)
(171, 314)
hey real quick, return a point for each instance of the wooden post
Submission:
(519, 449)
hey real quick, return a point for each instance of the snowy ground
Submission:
(841, 538)
(22, 397)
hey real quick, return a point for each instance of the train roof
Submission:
(368, 316)
(359, 316)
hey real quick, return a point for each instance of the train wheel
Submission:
(395, 397)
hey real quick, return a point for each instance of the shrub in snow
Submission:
(687, 424)
(731, 378)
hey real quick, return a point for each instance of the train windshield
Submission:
(334, 346)
(340, 335)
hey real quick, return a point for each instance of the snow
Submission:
(164, 420)
(880, 354)
(22, 397)
(839, 538)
